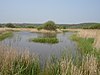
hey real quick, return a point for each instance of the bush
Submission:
(30, 27)
(46, 40)
(39, 27)
(50, 25)
(0, 25)
(95, 26)
(10, 25)
(63, 27)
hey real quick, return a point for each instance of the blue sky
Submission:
(40, 11)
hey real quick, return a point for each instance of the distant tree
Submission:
(62, 27)
(97, 26)
(94, 26)
(39, 27)
(30, 26)
(10, 25)
(0, 25)
(50, 25)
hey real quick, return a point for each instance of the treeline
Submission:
(95, 26)
(59, 26)
(84, 26)
(12, 25)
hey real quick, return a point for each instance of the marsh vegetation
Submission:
(14, 63)
(45, 40)
(66, 57)
(5, 35)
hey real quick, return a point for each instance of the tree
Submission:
(10, 25)
(39, 27)
(96, 26)
(0, 25)
(50, 25)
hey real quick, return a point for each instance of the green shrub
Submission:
(39, 27)
(50, 25)
(10, 25)
(30, 27)
(0, 25)
(62, 27)
(95, 26)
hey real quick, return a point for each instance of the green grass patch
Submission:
(85, 44)
(5, 35)
(46, 40)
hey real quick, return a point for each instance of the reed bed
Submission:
(5, 34)
(89, 33)
(14, 63)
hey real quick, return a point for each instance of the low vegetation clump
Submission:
(46, 40)
(0, 26)
(4, 35)
(39, 27)
(85, 44)
(62, 27)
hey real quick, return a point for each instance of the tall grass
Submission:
(85, 44)
(14, 63)
(89, 66)
(6, 34)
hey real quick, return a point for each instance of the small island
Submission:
(50, 25)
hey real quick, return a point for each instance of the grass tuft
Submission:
(5, 35)
(46, 40)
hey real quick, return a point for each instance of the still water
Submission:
(20, 41)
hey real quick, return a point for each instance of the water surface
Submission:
(20, 41)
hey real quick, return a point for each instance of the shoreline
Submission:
(85, 33)
(31, 30)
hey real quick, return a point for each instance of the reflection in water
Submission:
(47, 35)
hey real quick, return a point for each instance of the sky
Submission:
(40, 11)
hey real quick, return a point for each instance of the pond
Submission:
(20, 41)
